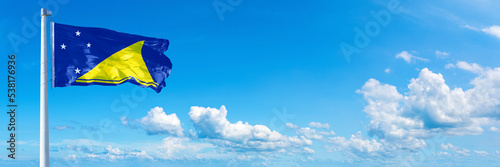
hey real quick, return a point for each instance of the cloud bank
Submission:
(157, 122)
(211, 123)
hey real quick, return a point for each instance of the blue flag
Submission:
(95, 56)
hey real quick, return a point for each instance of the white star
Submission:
(77, 71)
(78, 33)
(63, 46)
(88, 45)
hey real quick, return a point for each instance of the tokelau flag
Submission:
(95, 56)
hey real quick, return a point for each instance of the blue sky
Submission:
(422, 88)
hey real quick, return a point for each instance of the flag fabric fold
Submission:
(85, 56)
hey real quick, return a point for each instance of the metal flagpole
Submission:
(44, 120)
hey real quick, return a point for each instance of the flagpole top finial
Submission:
(45, 12)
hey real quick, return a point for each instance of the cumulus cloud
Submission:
(170, 148)
(357, 145)
(114, 154)
(179, 147)
(308, 150)
(431, 107)
(493, 30)
(291, 126)
(213, 125)
(409, 57)
(172, 145)
(213, 136)
(109, 153)
(457, 150)
(140, 154)
(472, 67)
(448, 146)
(313, 134)
(72, 158)
(113, 151)
(494, 129)
(401, 121)
(443, 154)
(157, 122)
(319, 125)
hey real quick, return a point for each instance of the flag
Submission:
(85, 56)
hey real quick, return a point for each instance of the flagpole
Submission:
(44, 123)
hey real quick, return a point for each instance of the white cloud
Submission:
(357, 145)
(92, 155)
(114, 151)
(172, 145)
(441, 54)
(405, 56)
(291, 126)
(305, 150)
(463, 152)
(494, 129)
(192, 134)
(319, 125)
(387, 70)
(430, 107)
(448, 146)
(83, 148)
(449, 65)
(180, 147)
(493, 30)
(170, 148)
(443, 154)
(113, 154)
(72, 158)
(213, 125)
(313, 134)
(457, 150)
(157, 122)
(124, 120)
(471, 27)
(475, 68)
(308, 150)
(409, 57)
(141, 155)
(63, 127)
(481, 153)
(327, 133)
